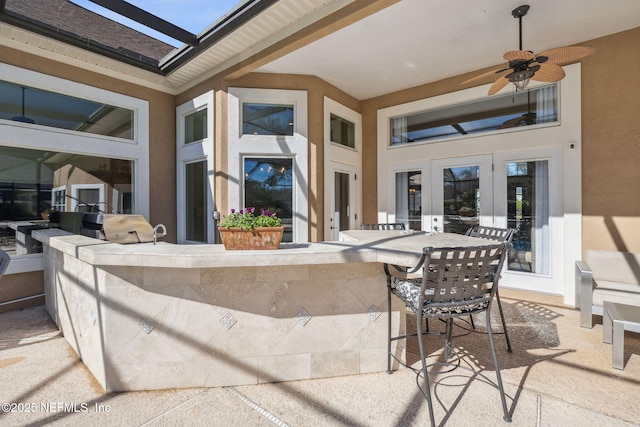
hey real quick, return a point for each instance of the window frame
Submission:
(33, 136)
(192, 152)
(444, 102)
(284, 104)
(295, 146)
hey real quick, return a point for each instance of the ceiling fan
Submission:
(524, 65)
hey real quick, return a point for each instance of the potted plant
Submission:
(244, 229)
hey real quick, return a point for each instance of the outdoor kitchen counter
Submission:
(387, 246)
(148, 317)
(104, 253)
(145, 317)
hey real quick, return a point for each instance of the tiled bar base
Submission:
(142, 327)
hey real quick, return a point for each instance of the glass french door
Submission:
(343, 206)
(506, 193)
(461, 193)
(528, 214)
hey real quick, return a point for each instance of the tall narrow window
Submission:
(528, 213)
(268, 185)
(196, 201)
(341, 203)
(409, 199)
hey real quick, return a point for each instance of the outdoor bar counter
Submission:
(145, 316)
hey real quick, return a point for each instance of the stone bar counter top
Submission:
(384, 246)
(147, 317)
(103, 253)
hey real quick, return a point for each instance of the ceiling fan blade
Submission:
(485, 75)
(512, 123)
(497, 85)
(548, 73)
(567, 54)
(513, 55)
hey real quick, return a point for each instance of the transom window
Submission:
(26, 104)
(343, 131)
(195, 126)
(267, 119)
(531, 107)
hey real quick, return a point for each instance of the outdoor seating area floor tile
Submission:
(558, 374)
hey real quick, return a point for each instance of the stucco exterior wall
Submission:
(611, 144)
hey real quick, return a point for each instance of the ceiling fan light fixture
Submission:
(520, 78)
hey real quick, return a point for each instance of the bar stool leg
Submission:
(504, 324)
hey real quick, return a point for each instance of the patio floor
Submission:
(558, 374)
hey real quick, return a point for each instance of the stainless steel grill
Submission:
(117, 228)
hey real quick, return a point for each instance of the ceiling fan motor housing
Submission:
(520, 11)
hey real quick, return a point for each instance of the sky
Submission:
(191, 15)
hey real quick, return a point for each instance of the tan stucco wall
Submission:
(162, 128)
(611, 144)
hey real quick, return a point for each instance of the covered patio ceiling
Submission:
(414, 42)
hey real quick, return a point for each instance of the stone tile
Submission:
(332, 364)
(227, 275)
(375, 359)
(170, 276)
(224, 369)
(284, 368)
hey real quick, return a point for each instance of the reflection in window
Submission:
(267, 119)
(268, 185)
(32, 181)
(196, 201)
(461, 198)
(534, 106)
(30, 105)
(195, 126)
(528, 213)
(341, 201)
(59, 199)
(409, 199)
(343, 131)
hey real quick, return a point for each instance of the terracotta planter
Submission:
(258, 238)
